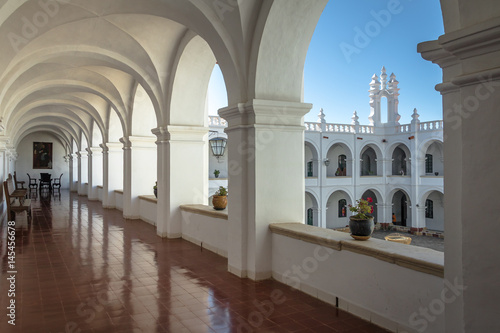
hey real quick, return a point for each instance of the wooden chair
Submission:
(45, 182)
(19, 184)
(56, 185)
(16, 204)
(13, 190)
(32, 183)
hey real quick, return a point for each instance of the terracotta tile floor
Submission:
(81, 268)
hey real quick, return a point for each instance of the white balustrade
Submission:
(340, 128)
(216, 121)
(403, 128)
(431, 125)
(314, 127)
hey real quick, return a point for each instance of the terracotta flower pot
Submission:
(219, 202)
(361, 229)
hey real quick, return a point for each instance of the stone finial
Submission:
(321, 116)
(355, 118)
(415, 115)
(393, 83)
(374, 85)
(375, 81)
(383, 77)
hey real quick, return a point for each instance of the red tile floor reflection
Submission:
(82, 268)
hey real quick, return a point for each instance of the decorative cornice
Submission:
(180, 133)
(474, 40)
(138, 142)
(266, 114)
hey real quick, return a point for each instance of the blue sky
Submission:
(352, 41)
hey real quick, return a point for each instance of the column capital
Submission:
(4, 142)
(111, 146)
(266, 113)
(180, 133)
(96, 150)
(138, 142)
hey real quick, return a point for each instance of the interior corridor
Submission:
(82, 268)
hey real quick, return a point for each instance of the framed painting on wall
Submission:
(42, 155)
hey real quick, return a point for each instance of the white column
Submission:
(83, 173)
(70, 171)
(266, 179)
(417, 217)
(4, 159)
(386, 168)
(12, 160)
(112, 172)
(95, 172)
(182, 174)
(75, 172)
(384, 213)
(471, 99)
(139, 172)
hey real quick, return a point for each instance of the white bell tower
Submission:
(379, 90)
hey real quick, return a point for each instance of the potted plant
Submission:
(361, 224)
(155, 189)
(219, 199)
(216, 173)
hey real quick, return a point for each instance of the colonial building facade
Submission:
(400, 166)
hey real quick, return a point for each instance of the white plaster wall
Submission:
(24, 162)
(119, 200)
(385, 293)
(333, 220)
(333, 155)
(217, 164)
(209, 232)
(99, 193)
(436, 223)
(147, 211)
(436, 151)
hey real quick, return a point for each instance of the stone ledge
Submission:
(119, 191)
(205, 210)
(412, 257)
(150, 198)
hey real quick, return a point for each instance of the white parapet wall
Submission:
(119, 200)
(99, 193)
(396, 286)
(204, 226)
(147, 208)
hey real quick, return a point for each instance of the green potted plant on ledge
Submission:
(155, 189)
(361, 224)
(219, 199)
(216, 173)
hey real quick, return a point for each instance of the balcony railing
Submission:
(431, 125)
(216, 121)
(347, 128)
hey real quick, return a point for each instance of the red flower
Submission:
(371, 209)
(369, 200)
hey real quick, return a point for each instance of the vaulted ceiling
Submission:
(69, 66)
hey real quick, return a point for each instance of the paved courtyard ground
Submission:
(423, 241)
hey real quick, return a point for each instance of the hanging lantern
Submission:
(218, 145)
